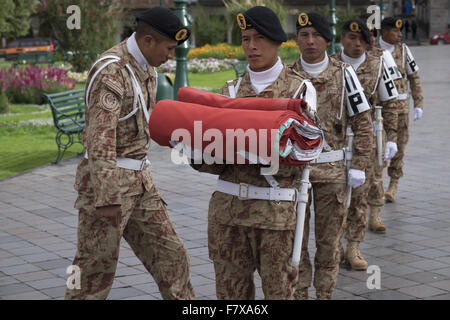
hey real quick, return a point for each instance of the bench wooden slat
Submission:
(56, 100)
(63, 106)
(65, 93)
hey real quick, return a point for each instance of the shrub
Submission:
(26, 85)
(208, 29)
(4, 103)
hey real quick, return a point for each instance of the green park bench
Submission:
(239, 67)
(68, 117)
(35, 58)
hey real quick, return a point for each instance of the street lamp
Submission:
(181, 51)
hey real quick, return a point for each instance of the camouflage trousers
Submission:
(238, 251)
(395, 169)
(147, 228)
(329, 215)
(370, 193)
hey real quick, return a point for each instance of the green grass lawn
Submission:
(27, 146)
(214, 80)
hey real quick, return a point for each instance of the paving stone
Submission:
(56, 292)
(7, 280)
(444, 285)
(428, 264)
(47, 283)
(444, 271)
(390, 282)
(32, 295)
(425, 277)
(23, 268)
(15, 288)
(387, 295)
(122, 293)
(32, 276)
(422, 291)
(53, 264)
(430, 253)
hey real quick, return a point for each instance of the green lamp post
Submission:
(181, 51)
(381, 9)
(332, 20)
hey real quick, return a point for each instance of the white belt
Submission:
(131, 164)
(248, 191)
(402, 96)
(332, 156)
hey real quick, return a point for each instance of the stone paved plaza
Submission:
(38, 223)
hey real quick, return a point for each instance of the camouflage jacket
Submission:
(263, 214)
(367, 75)
(399, 56)
(106, 138)
(328, 85)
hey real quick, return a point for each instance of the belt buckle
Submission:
(245, 185)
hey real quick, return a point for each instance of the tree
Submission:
(233, 7)
(208, 29)
(99, 25)
(15, 17)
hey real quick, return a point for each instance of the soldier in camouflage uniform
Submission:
(329, 179)
(116, 194)
(248, 234)
(406, 65)
(379, 89)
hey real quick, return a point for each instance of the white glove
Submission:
(356, 178)
(391, 150)
(417, 113)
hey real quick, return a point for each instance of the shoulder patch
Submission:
(114, 86)
(109, 101)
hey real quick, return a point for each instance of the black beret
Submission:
(356, 25)
(264, 20)
(315, 20)
(165, 22)
(391, 23)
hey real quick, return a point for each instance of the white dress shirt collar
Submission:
(354, 62)
(386, 46)
(134, 50)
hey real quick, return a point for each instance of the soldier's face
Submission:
(158, 52)
(354, 44)
(392, 36)
(311, 44)
(260, 51)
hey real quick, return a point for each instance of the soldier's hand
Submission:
(417, 113)
(112, 212)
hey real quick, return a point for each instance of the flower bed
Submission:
(199, 65)
(288, 50)
(26, 85)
